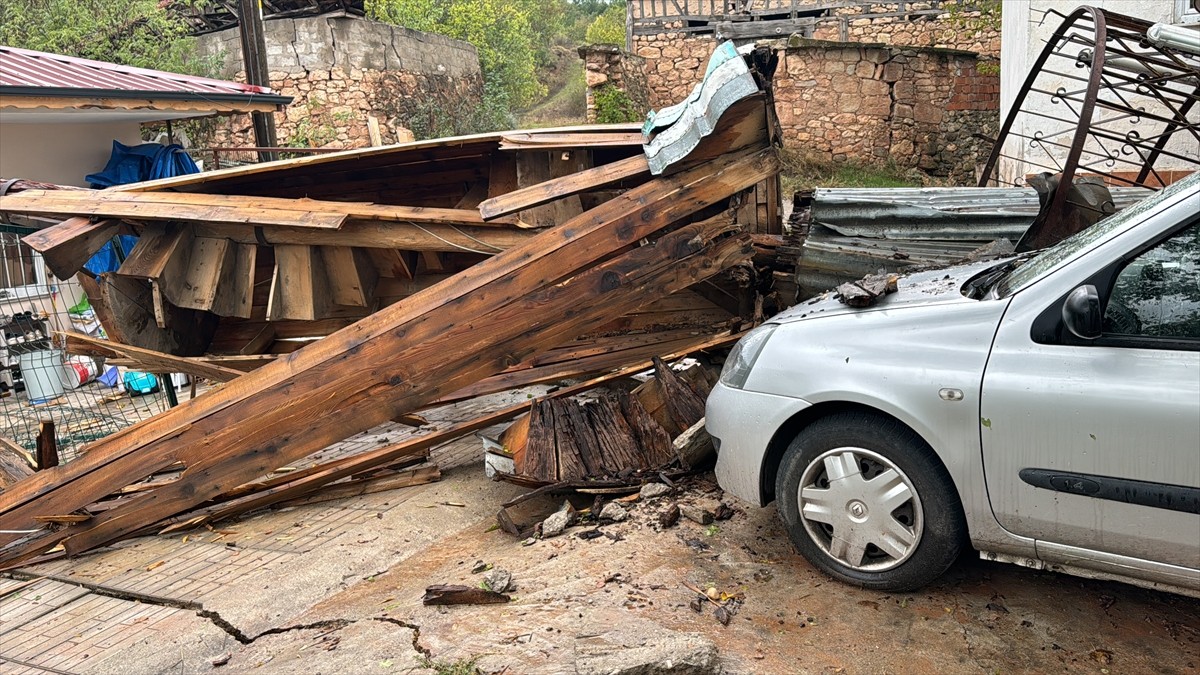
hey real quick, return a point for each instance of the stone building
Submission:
(343, 70)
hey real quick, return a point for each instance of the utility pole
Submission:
(254, 56)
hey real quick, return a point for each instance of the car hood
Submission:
(919, 289)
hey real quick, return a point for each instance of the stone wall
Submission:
(912, 90)
(869, 103)
(610, 66)
(342, 70)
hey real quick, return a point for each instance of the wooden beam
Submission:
(557, 188)
(403, 236)
(230, 209)
(530, 140)
(148, 360)
(299, 286)
(68, 245)
(14, 463)
(47, 445)
(160, 247)
(127, 309)
(352, 276)
(209, 271)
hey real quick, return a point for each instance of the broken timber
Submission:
(484, 302)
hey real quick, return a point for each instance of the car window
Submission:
(1066, 249)
(1157, 294)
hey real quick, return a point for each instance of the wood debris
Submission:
(360, 287)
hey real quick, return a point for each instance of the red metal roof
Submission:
(26, 68)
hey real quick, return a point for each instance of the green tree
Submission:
(609, 27)
(131, 32)
(500, 30)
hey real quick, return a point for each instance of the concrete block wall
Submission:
(342, 69)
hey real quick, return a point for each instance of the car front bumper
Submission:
(742, 424)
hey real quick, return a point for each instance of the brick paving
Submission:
(58, 626)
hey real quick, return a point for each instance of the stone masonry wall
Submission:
(341, 70)
(835, 100)
(609, 66)
(916, 107)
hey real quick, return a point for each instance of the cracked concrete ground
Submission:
(336, 588)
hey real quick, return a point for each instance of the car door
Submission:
(1095, 443)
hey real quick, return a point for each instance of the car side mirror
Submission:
(1081, 313)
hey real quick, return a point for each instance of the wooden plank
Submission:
(502, 174)
(684, 405)
(393, 264)
(540, 460)
(568, 442)
(352, 275)
(148, 360)
(14, 464)
(159, 247)
(404, 236)
(126, 307)
(170, 206)
(230, 209)
(654, 441)
(557, 188)
(210, 268)
(249, 497)
(574, 434)
(326, 163)
(357, 488)
(299, 286)
(47, 445)
(241, 421)
(68, 245)
(569, 141)
(235, 291)
(533, 168)
(618, 448)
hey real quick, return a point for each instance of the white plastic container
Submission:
(42, 371)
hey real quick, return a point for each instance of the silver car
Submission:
(1044, 410)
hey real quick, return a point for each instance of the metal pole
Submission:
(254, 56)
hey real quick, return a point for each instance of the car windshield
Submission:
(1022, 275)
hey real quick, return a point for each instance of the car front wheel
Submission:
(866, 500)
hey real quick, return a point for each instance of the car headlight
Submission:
(744, 354)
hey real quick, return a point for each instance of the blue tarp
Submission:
(106, 260)
(147, 161)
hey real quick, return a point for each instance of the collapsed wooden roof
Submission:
(393, 279)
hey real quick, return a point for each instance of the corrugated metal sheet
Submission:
(26, 68)
(680, 127)
(856, 232)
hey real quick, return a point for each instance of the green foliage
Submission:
(439, 111)
(131, 32)
(609, 27)
(975, 15)
(989, 67)
(500, 30)
(802, 172)
(613, 105)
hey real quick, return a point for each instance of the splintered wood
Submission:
(361, 287)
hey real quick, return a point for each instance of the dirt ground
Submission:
(355, 606)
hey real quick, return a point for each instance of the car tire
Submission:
(850, 529)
